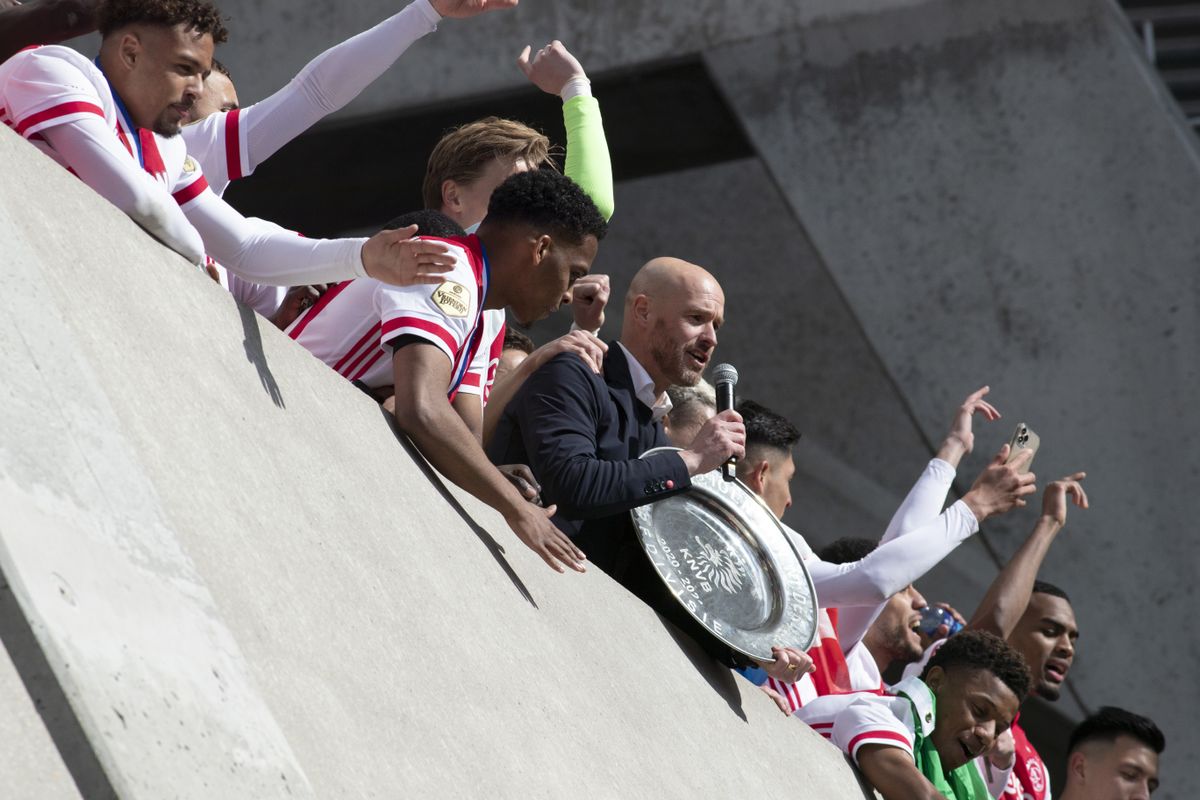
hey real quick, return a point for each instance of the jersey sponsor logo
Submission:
(189, 166)
(452, 298)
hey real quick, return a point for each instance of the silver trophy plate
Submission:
(728, 561)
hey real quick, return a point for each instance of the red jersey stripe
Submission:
(190, 192)
(879, 735)
(365, 340)
(367, 366)
(422, 325)
(317, 308)
(60, 110)
(372, 347)
(233, 149)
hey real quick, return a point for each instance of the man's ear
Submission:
(1077, 767)
(756, 477)
(935, 678)
(130, 49)
(451, 199)
(641, 308)
(541, 247)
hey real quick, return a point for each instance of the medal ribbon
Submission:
(140, 141)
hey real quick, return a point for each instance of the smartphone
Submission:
(1023, 438)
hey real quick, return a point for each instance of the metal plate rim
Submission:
(813, 633)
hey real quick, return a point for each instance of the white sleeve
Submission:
(870, 720)
(93, 153)
(266, 253)
(893, 565)
(919, 508)
(443, 315)
(326, 84)
(924, 500)
(266, 300)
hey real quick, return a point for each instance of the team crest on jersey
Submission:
(452, 298)
(190, 166)
(1037, 779)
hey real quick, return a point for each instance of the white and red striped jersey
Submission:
(482, 372)
(350, 327)
(42, 87)
(853, 720)
(218, 143)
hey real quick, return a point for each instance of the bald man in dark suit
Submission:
(583, 433)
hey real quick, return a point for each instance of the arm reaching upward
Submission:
(1007, 597)
(325, 85)
(555, 71)
(895, 564)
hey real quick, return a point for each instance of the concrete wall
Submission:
(270, 42)
(242, 584)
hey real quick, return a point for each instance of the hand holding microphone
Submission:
(722, 440)
(725, 377)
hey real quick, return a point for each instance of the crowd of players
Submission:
(553, 437)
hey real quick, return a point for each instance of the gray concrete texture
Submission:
(270, 41)
(1004, 192)
(242, 585)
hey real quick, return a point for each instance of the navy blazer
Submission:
(582, 434)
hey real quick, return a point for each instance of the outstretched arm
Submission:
(337, 76)
(895, 564)
(422, 373)
(925, 499)
(268, 254)
(96, 156)
(923, 503)
(1007, 597)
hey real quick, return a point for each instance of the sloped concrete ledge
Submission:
(246, 587)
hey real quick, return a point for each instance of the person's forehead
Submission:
(976, 682)
(1043, 607)
(218, 82)
(701, 294)
(1130, 751)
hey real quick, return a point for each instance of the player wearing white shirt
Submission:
(920, 740)
(114, 123)
(352, 326)
(540, 236)
(917, 538)
(469, 162)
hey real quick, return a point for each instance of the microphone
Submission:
(725, 377)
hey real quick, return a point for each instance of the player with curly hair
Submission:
(114, 123)
(540, 236)
(921, 741)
